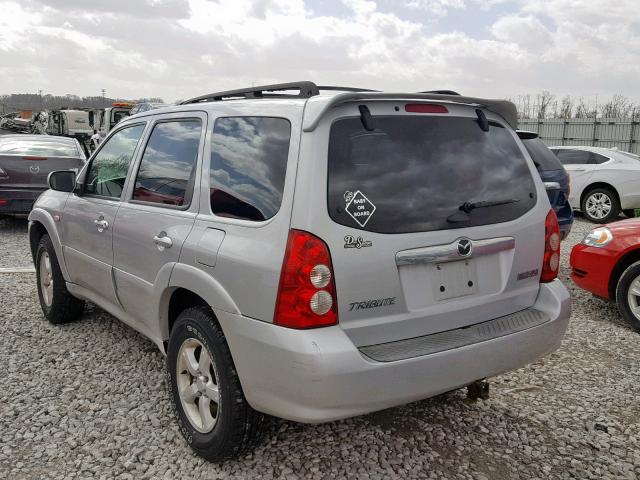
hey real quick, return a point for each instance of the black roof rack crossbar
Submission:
(305, 90)
(442, 92)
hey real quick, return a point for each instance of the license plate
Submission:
(455, 279)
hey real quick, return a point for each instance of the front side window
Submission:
(248, 166)
(425, 173)
(168, 163)
(109, 167)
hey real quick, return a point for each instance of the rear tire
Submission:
(58, 305)
(600, 205)
(200, 369)
(628, 295)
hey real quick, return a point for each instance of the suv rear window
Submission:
(544, 158)
(414, 172)
(39, 148)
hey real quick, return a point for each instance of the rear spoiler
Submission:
(317, 107)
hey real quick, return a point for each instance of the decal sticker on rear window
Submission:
(359, 207)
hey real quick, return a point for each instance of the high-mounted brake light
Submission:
(34, 159)
(307, 291)
(425, 108)
(551, 259)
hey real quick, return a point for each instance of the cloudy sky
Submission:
(181, 48)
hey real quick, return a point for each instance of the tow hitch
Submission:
(478, 389)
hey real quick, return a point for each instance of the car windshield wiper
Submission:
(467, 207)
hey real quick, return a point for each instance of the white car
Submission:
(604, 181)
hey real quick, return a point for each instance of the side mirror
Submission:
(62, 180)
(551, 186)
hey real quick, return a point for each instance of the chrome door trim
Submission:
(449, 252)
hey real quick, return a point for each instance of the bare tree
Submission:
(544, 100)
(566, 107)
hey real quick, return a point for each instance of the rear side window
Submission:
(248, 166)
(39, 148)
(108, 169)
(413, 173)
(574, 157)
(597, 158)
(168, 163)
(544, 158)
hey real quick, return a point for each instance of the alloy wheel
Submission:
(633, 297)
(46, 278)
(598, 205)
(197, 383)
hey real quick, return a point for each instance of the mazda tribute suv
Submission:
(311, 253)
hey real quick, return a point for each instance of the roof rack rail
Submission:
(335, 88)
(305, 90)
(442, 92)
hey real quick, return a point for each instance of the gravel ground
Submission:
(88, 400)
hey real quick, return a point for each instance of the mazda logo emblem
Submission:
(465, 247)
(34, 168)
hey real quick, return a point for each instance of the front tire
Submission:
(58, 305)
(212, 412)
(600, 205)
(628, 295)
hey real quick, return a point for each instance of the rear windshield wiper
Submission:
(467, 207)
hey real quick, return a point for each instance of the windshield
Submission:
(117, 115)
(38, 148)
(412, 173)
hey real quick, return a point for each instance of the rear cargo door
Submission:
(434, 223)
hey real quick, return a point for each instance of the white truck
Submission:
(104, 119)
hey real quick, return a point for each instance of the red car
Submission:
(607, 264)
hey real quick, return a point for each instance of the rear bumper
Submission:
(319, 375)
(18, 201)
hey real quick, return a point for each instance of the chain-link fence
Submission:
(599, 132)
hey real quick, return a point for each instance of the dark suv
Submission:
(554, 176)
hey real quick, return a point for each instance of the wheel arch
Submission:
(593, 186)
(628, 259)
(188, 287)
(40, 223)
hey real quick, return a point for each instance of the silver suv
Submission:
(310, 253)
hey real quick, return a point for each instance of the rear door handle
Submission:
(101, 224)
(162, 241)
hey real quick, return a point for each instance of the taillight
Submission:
(307, 291)
(425, 108)
(551, 261)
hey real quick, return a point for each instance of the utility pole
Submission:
(104, 103)
(41, 102)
